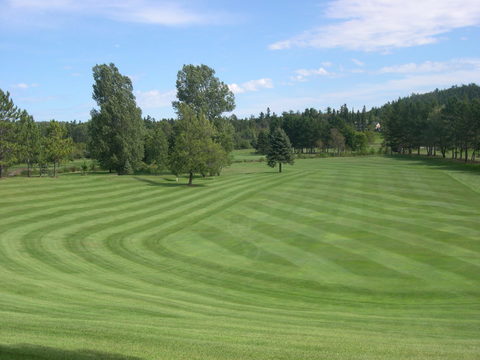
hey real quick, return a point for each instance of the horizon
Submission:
(287, 57)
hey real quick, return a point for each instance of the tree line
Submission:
(442, 121)
(200, 139)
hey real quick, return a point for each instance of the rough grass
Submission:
(338, 258)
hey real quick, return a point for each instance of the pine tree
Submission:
(280, 150)
(9, 113)
(28, 140)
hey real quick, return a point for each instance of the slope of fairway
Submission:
(348, 258)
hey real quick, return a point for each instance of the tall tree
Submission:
(57, 146)
(198, 87)
(280, 150)
(28, 140)
(9, 113)
(194, 151)
(263, 142)
(156, 147)
(116, 129)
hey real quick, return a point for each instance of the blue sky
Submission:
(286, 55)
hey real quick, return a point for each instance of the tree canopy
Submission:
(194, 150)
(198, 87)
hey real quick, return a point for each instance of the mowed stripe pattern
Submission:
(360, 258)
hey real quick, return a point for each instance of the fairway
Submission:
(336, 258)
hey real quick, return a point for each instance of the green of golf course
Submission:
(336, 258)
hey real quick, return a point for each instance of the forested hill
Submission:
(442, 120)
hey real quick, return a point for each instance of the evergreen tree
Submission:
(117, 129)
(28, 140)
(194, 151)
(9, 113)
(279, 150)
(263, 142)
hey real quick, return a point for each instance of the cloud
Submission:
(358, 62)
(303, 74)
(166, 13)
(24, 86)
(153, 99)
(382, 25)
(432, 66)
(252, 85)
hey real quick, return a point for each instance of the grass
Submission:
(337, 258)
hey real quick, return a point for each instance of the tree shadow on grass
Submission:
(166, 184)
(439, 163)
(36, 352)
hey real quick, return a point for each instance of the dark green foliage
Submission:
(156, 147)
(194, 150)
(29, 141)
(279, 150)
(263, 142)
(117, 129)
(198, 87)
(440, 120)
(9, 113)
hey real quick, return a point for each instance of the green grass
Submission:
(337, 258)
(246, 155)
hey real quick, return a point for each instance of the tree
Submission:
(263, 142)
(156, 147)
(337, 140)
(9, 113)
(194, 151)
(117, 129)
(198, 87)
(280, 150)
(28, 140)
(57, 146)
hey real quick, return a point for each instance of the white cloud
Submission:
(303, 74)
(432, 66)
(24, 86)
(153, 99)
(382, 25)
(252, 85)
(167, 13)
(358, 62)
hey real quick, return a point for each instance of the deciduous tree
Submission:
(198, 87)
(194, 150)
(116, 129)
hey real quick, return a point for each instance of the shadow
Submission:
(36, 352)
(166, 184)
(439, 163)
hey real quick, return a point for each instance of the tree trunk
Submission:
(279, 167)
(190, 179)
(1, 171)
(28, 168)
(466, 154)
(54, 169)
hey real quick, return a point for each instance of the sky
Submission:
(285, 55)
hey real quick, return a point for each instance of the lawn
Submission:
(336, 258)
